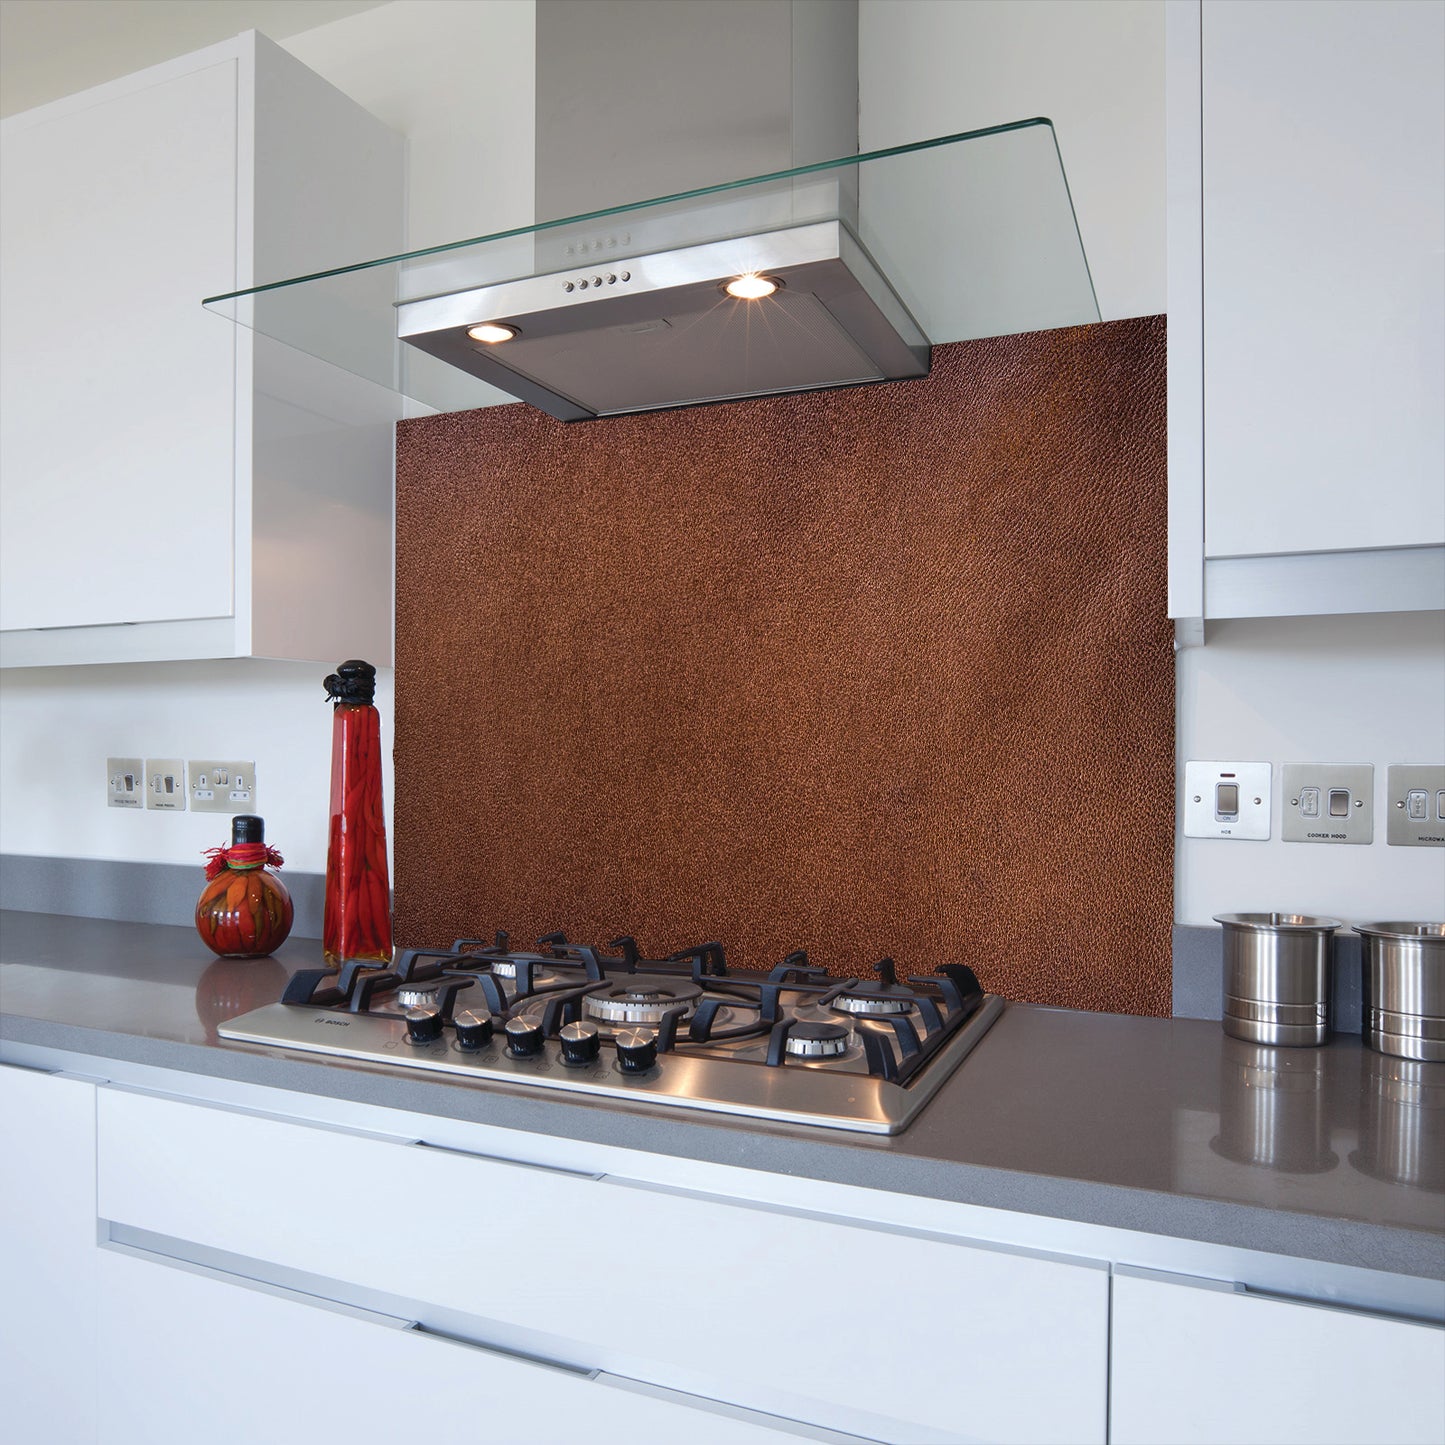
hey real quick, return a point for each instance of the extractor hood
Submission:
(851, 265)
(662, 330)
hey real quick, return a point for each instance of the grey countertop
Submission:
(1160, 1125)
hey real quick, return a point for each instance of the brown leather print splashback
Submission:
(873, 671)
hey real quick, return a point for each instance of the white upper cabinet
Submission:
(171, 484)
(1307, 306)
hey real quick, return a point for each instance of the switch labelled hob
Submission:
(1226, 800)
(1415, 804)
(1328, 803)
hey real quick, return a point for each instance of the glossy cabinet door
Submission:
(1306, 220)
(119, 390)
(1324, 292)
(188, 1355)
(47, 1257)
(1196, 1362)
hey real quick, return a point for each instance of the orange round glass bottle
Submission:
(357, 919)
(244, 910)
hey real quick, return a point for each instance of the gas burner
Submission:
(506, 965)
(817, 1041)
(417, 995)
(639, 999)
(874, 1005)
(885, 999)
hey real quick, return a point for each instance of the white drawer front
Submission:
(186, 1357)
(813, 1318)
(1199, 1363)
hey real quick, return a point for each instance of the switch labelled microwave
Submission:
(1415, 806)
(225, 785)
(125, 782)
(165, 784)
(1226, 800)
(1327, 803)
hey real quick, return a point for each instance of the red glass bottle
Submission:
(357, 920)
(244, 911)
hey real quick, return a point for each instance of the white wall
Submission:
(1093, 67)
(457, 78)
(61, 723)
(1367, 689)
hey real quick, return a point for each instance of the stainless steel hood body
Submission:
(647, 332)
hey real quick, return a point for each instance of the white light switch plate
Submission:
(125, 782)
(165, 784)
(1207, 800)
(1309, 793)
(1415, 798)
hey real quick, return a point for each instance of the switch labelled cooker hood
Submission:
(877, 256)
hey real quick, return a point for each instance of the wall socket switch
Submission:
(226, 785)
(1328, 803)
(1415, 804)
(1227, 800)
(165, 784)
(125, 782)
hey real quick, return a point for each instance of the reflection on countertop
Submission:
(1272, 1108)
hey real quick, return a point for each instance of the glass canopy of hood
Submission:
(621, 310)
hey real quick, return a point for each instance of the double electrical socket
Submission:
(159, 784)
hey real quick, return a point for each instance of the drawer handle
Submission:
(502, 1353)
(502, 1160)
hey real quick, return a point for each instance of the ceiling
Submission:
(50, 48)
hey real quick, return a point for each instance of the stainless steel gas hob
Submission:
(686, 1031)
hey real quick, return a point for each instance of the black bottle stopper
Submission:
(353, 681)
(247, 828)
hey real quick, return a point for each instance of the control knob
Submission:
(636, 1050)
(581, 1043)
(474, 1030)
(423, 1025)
(524, 1038)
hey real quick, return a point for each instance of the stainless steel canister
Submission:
(1404, 988)
(1277, 977)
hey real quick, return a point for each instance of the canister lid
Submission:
(1278, 922)
(1427, 931)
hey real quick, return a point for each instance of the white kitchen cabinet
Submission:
(173, 485)
(189, 1354)
(689, 1292)
(1306, 306)
(47, 1256)
(1197, 1362)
